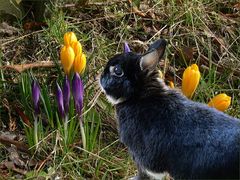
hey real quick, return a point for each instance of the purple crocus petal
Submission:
(126, 48)
(66, 93)
(77, 90)
(59, 96)
(36, 96)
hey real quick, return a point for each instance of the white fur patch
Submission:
(157, 176)
(113, 100)
(163, 84)
(111, 69)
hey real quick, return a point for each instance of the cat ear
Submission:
(155, 51)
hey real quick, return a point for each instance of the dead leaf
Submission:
(14, 157)
(19, 145)
(23, 67)
(24, 118)
(185, 55)
(237, 6)
(33, 26)
(136, 10)
(4, 173)
(6, 29)
(12, 121)
(32, 162)
(11, 166)
(8, 135)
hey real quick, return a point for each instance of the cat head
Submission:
(123, 75)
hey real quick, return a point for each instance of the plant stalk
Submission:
(66, 129)
(82, 132)
(36, 131)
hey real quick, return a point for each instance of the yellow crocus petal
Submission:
(160, 74)
(194, 67)
(186, 80)
(67, 58)
(77, 47)
(79, 63)
(190, 80)
(220, 102)
(171, 84)
(69, 38)
(223, 106)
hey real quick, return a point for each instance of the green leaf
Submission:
(11, 7)
(136, 3)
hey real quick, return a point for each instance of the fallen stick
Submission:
(20, 146)
(22, 67)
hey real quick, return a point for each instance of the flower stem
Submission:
(66, 130)
(82, 132)
(36, 131)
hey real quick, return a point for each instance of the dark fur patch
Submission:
(167, 132)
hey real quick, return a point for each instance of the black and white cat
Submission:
(163, 130)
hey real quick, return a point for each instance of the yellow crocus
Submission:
(69, 38)
(171, 84)
(160, 74)
(221, 102)
(79, 63)
(67, 58)
(77, 47)
(190, 80)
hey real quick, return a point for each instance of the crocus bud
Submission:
(67, 58)
(77, 91)
(190, 80)
(221, 102)
(79, 63)
(126, 48)
(160, 74)
(59, 96)
(171, 84)
(66, 93)
(69, 38)
(36, 96)
(77, 47)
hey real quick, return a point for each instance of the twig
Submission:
(21, 37)
(20, 146)
(109, 3)
(44, 162)
(22, 67)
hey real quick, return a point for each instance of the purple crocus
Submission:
(36, 96)
(66, 93)
(126, 48)
(59, 96)
(77, 90)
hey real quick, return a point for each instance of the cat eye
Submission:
(116, 71)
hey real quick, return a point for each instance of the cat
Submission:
(163, 130)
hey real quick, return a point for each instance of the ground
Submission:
(203, 32)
